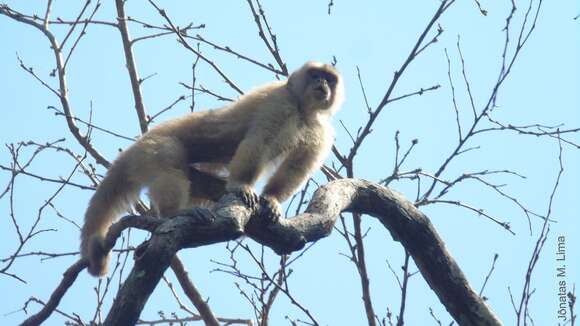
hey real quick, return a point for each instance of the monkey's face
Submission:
(319, 88)
(321, 84)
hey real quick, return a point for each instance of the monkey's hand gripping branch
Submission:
(231, 218)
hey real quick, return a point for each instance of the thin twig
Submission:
(131, 66)
(495, 256)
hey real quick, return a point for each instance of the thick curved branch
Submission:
(230, 219)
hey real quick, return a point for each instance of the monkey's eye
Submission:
(314, 74)
(331, 79)
(317, 75)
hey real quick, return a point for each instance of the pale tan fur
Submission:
(283, 120)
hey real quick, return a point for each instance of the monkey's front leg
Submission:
(292, 173)
(245, 168)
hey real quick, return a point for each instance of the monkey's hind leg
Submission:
(174, 193)
(169, 192)
(206, 187)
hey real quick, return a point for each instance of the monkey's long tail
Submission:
(114, 195)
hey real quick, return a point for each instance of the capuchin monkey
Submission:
(180, 160)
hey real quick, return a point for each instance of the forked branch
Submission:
(230, 219)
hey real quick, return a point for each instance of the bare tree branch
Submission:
(63, 90)
(68, 279)
(131, 66)
(231, 219)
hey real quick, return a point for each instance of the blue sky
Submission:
(374, 36)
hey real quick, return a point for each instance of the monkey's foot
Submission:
(270, 212)
(248, 196)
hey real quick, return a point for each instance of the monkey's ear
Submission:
(297, 82)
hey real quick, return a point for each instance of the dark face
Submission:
(317, 87)
(320, 85)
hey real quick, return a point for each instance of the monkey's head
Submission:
(318, 87)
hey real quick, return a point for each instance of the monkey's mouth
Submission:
(322, 93)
